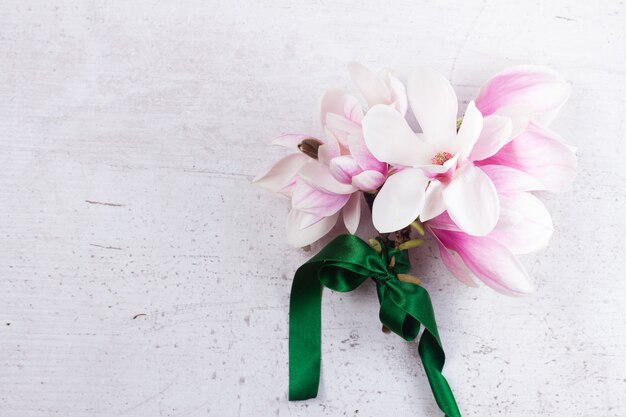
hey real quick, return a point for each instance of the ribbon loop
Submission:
(343, 265)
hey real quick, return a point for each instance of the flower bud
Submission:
(309, 147)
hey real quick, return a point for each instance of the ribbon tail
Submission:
(305, 338)
(433, 359)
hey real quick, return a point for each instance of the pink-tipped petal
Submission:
(368, 180)
(525, 224)
(510, 180)
(525, 91)
(433, 201)
(298, 236)
(434, 103)
(362, 155)
(540, 153)
(343, 168)
(472, 201)
(495, 134)
(443, 222)
(489, 261)
(318, 176)
(400, 200)
(314, 201)
(282, 173)
(390, 139)
(455, 265)
(370, 85)
(352, 213)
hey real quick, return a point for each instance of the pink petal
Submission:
(488, 260)
(319, 177)
(525, 225)
(495, 134)
(313, 201)
(282, 173)
(400, 200)
(524, 91)
(509, 180)
(298, 236)
(455, 265)
(540, 153)
(362, 155)
(343, 168)
(443, 222)
(352, 213)
(434, 103)
(370, 85)
(472, 201)
(368, 180)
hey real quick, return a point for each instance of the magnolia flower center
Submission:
(441, 157)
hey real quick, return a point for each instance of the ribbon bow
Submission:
(343, 265)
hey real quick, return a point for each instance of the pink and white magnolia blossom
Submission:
(322, 189)
(438, 171)
(471, 185)
(532, 158)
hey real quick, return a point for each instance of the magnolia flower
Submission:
(330, 181)
(438, 158)
(524, 226)
(529, 97)
(531, 158)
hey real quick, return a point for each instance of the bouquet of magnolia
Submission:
(466, 181)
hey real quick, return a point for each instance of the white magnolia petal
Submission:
(398, 92)
(525, 224)
(400, 200)
(496, 132)
(434, 103)
(318, 176)
(433, 201)
(370, 85)
(390, 139)
(469, 132)
(299, 237)
(471, 200)
(282, 173)
(352, 213)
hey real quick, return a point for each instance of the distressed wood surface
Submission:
(141, 274)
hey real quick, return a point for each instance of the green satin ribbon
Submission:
(343, 265)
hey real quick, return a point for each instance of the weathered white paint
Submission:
(142, 275)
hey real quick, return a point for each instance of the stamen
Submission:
(441, 157)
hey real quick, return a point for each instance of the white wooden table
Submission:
(141, 274)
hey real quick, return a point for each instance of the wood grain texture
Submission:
(141, 274)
